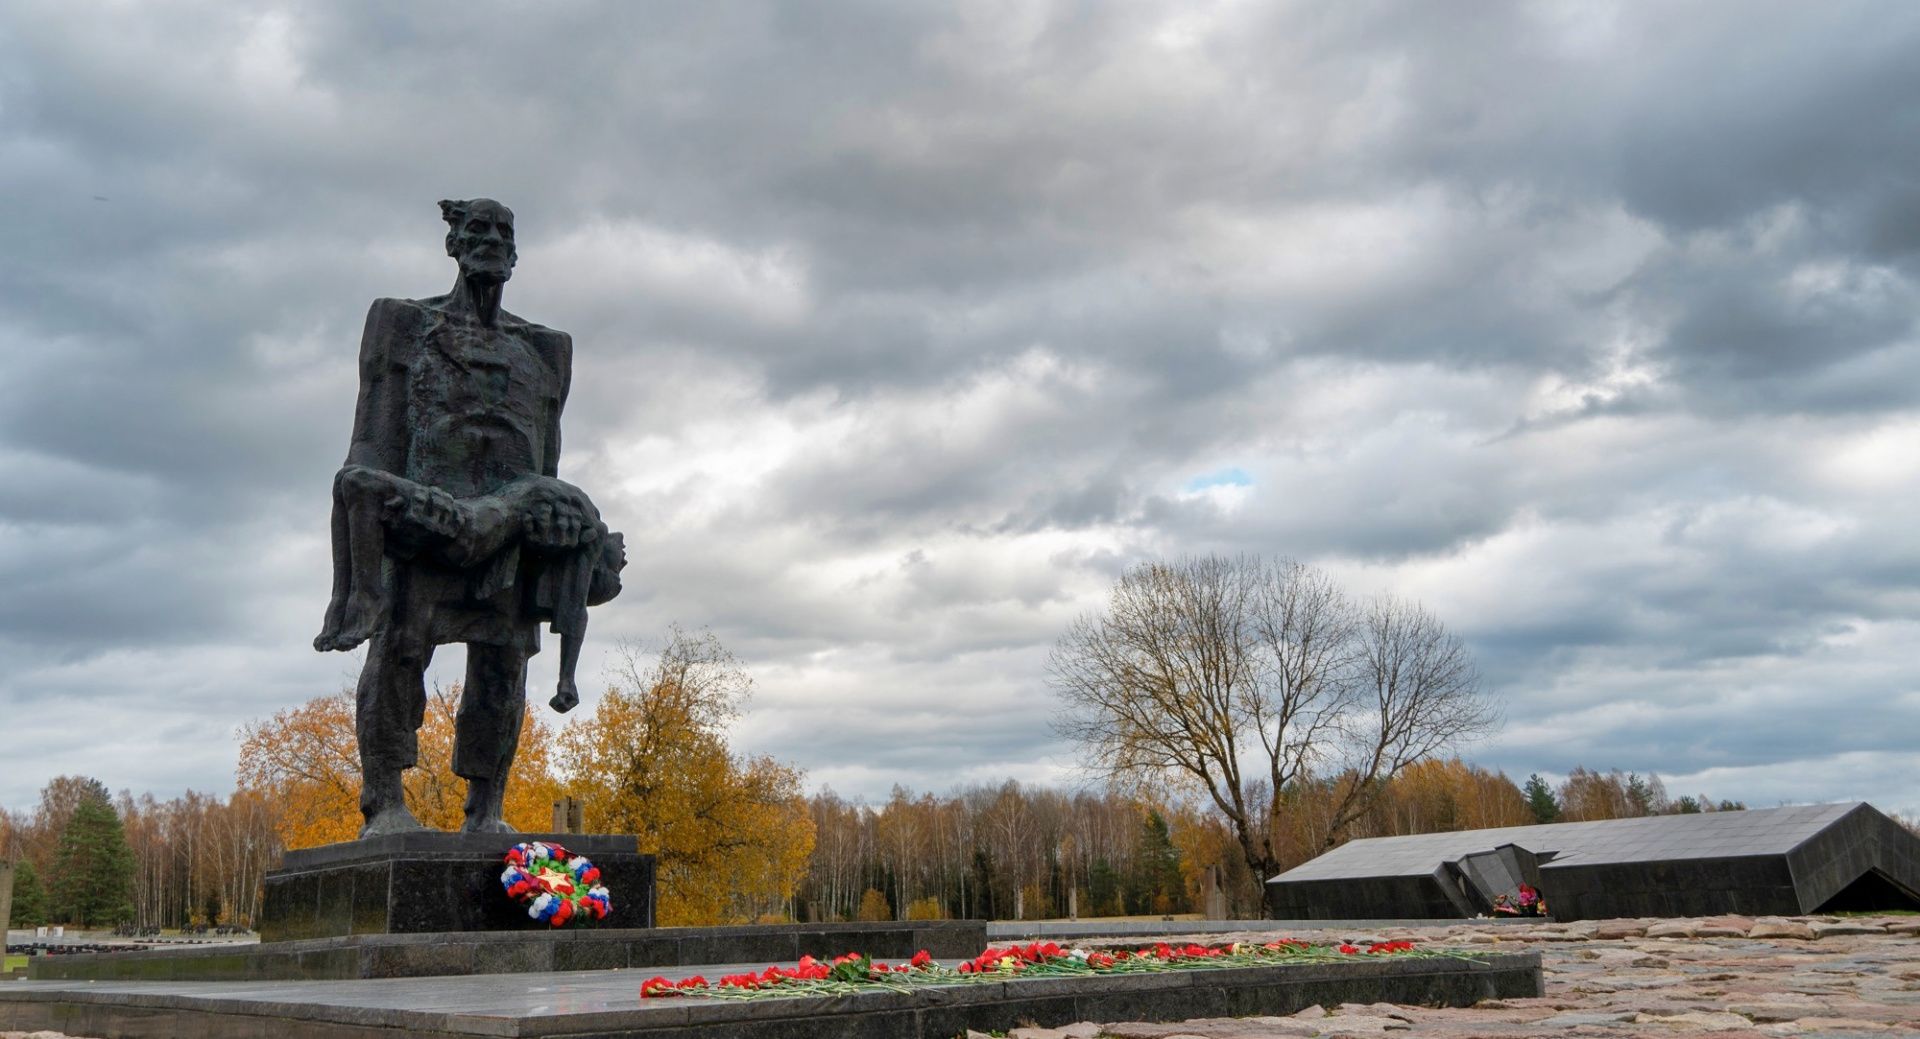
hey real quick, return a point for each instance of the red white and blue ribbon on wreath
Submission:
(556, 885)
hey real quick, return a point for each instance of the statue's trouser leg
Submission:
(486, 732)
(390, 704)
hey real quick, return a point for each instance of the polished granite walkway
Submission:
(477, 995)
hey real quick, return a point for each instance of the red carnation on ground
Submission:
(655, 986)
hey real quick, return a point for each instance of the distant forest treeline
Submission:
(1024, 852)
(1008, 851)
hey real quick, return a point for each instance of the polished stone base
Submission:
(354, 957)
(607, 1005)
(431, 882)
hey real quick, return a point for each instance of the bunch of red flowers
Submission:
(1189, 951)
(1014, 957)
(921, 960)
(1374, 948)
(827, 976)
(665, 987)
(850, 967)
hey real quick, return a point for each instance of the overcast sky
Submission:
(901, 329)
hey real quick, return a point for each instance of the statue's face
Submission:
(483, 242)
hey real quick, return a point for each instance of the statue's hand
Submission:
(431, 508)
(567, 698)
(560, 523)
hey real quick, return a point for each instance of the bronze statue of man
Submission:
(450, 523)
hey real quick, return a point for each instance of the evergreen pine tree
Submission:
(1646, 796)
(94, 885)
(29, 897)
(1154, 884)
(1103, 891)
(1540, 800)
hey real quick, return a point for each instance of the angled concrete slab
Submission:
(1769, 861)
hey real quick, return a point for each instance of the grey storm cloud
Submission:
(903, 329)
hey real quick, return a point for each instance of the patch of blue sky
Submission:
(1231, 476)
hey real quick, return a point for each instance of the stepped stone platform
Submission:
(607, 1004)
(428, 882)
(355, 957)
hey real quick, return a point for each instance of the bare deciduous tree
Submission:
(1236, 678)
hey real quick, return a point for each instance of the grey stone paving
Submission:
(478, 995)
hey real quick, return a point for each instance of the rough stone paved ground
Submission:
(1727, 977)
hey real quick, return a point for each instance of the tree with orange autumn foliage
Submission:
(1438, 795)
(306, 760)
(438, 797)
(731, 837)
(1205, 841)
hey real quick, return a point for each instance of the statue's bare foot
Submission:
(330, 627)
(486, 824)
(394, 819)
(356, 623)
(567, 698)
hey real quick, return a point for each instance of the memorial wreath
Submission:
(554, 884)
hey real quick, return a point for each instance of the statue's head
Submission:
(480, 237)
(605, 582)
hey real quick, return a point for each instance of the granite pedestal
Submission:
(429, 882)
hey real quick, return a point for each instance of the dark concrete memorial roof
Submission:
(1796, 859)
(1707, 835)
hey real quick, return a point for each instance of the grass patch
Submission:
(14, 963)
